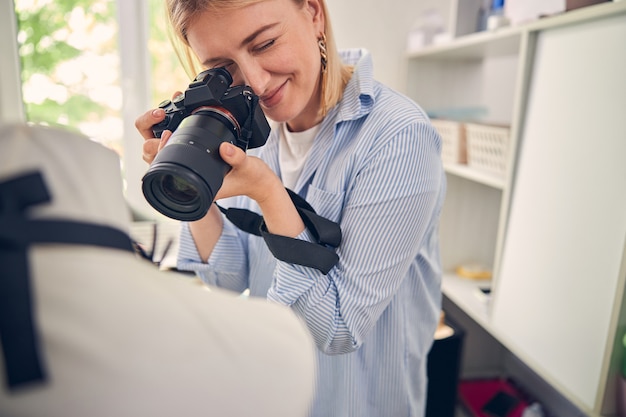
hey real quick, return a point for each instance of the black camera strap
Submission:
(18, 329)
(319, 254)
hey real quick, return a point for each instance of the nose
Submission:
(254, 75)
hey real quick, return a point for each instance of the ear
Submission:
(316, 10)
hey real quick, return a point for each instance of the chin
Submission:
(278, 117)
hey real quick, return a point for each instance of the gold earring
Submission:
(321, 43)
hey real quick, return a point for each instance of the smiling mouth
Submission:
(271, 99)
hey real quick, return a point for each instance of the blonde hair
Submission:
(180, 14)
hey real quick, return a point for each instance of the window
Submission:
(70, 66)
(93, 66)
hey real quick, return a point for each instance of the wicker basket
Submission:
(453, 148)
(487, 148)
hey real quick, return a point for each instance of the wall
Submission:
(382, 28)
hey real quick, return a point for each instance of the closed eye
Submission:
(264, 46)
(226, 65)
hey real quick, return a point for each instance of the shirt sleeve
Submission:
(390, 212)
(227, 266)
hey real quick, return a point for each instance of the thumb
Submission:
(231, 154)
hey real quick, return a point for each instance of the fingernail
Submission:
(157, 112)
(230, 149)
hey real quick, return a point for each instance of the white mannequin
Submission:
(121, 338)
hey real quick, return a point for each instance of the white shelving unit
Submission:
(463, 171)
(536, 78)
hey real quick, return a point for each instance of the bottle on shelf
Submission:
(496, 18)
(483, 15)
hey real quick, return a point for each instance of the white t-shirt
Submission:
(293, 149)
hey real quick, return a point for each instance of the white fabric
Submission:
(121, 338)
(293, 149)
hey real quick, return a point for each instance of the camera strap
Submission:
(319, 254)
(18, 330)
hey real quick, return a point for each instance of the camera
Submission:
(183, 179)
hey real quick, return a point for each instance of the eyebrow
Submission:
(246, 41)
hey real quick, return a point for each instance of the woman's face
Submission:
(272, 47)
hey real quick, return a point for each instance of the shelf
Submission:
(507, 40)
(469, 173)
(464, 293)
(580, 15)
(504, 41)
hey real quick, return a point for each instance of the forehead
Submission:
(215, 34)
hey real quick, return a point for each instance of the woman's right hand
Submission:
(144, 123)
(151, 145)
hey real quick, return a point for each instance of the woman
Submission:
(361, 155)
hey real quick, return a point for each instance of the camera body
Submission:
(211, 88)
(183, 179)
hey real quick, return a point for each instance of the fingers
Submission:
(150, 149)
(145, 122)
(153, 146)
(165, 136)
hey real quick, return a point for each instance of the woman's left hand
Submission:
(252, 177)
(249, 176)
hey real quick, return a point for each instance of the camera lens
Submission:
(183, 179)
(178, 190)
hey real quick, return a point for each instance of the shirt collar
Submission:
(358, 96)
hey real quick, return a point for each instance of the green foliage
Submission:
(76, 109)
(43, 46)
(62, 44)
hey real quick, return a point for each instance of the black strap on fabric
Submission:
(18, 330)
(319, 254)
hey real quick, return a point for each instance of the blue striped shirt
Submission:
(374, 168)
